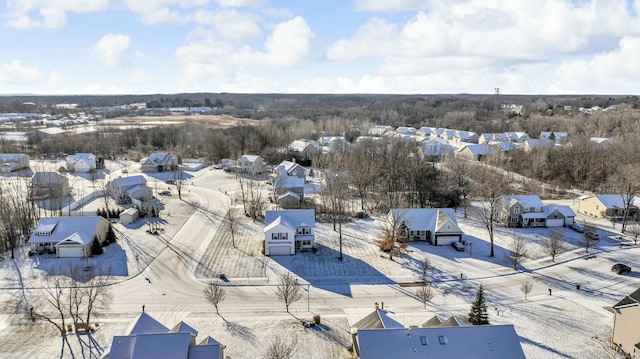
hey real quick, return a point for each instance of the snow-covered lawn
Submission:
(167, 272)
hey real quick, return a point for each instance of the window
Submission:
(303, 230)
(513, 219)
(279, 236)
(516, 210)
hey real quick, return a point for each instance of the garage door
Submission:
(73, 252)
(557, 222)
(446, 240)
(279, 251)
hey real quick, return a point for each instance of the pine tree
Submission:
(479, 314)
(111, 235)
(96, 248)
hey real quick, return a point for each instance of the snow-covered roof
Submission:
(470, 342)
(430, 219)
(249, 158)
(477, 150)
(278, 221)
(295, 217)
(47, 177)
(57, 229)
(183, 327)
(130, 181)
(289, 182)
(377, 319)
(526, 200)
(288, 194)
(539, 143)
(631, 299)
(610, 200)
(566, 211)
(129, 211)
(13, 156)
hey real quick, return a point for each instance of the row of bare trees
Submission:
(18, 215)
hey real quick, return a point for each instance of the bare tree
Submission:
(280, 348)
(587, 239)
(392, 239)
(634, 230)
(425, 267)
(178, 178)
(215, 294)
(489, 190)
(425, 294)
(554, 244)
(526, 287)
(232, 219)
(517, 251)
(288, 290)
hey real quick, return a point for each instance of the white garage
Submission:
(555, 222)
(70, 252)
(279, 251)
(446, 240)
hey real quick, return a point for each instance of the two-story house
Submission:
(522, 211)
(626, 336)
(250, 164)
(49, 185)
(159, 162)
(10, 162)
(288, 231)
(81, 162)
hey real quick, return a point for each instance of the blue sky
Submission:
(320, 46)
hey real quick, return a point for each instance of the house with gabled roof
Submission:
(250, 165)
(437, 226)
(129, 188)
(559, 216)
(147, 338)
(534, 143)
(288, 231)
(557, 137)
(49, 185)
(610, 206)
(10, 162)
(292, 169)
(515, 136)
(525, 210)
(435, 149)
(465, 137)
(491, 137)
(474, 152)
(159, 162)
(380, 130)
(68, 237)
(379, 337)
(305, 149)
(626, 316)
(81, 162)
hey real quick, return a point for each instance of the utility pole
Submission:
(495, 104)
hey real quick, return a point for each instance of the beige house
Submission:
(626, 336)
(609, 206)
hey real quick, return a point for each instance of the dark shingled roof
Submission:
(631, 299)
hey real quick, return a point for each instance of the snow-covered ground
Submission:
(167, 273)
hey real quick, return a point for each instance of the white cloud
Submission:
(15, 73)
(110, 49)
(102, 89)
(139, 76)
(375, 38)
(241, 3)
(52, 13)
(56, 77)
(289, 43)
(164, 11)
(230, 23)
(389, 6)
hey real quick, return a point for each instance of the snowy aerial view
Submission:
(162, 267)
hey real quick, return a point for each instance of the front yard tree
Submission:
(517, 251)
(280, 348)
(587, 239)
(554, 244)
(489, 189)
(479, 314)
(288, 290)
(232, 219)
(526, 287)
(425, 267)
(391, 237)
(178, 178)
(215, 294)
(634, 230)
(425, 294)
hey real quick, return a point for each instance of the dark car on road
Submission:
(620, 268)
(458, 246)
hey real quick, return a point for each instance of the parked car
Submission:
(620, 268)
(125, 171)
(170, 181)
(577, 227)
(592, 235)
(458, 246)
(165, 193)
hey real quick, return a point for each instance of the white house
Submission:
(128, 216)
(559, 216)
(147, 338)
(292, 169)
(286, 183)
(68, 236)
(305, 149)
(132, 187)
(159, 162)
(435, 149)
(250, 164)
(10, 162)
(437, 226)
(287, 231)
(380, 130)
(81, 162)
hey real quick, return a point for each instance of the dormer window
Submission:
(516, 210)
(304, 230)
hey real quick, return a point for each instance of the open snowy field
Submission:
(167, 273)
